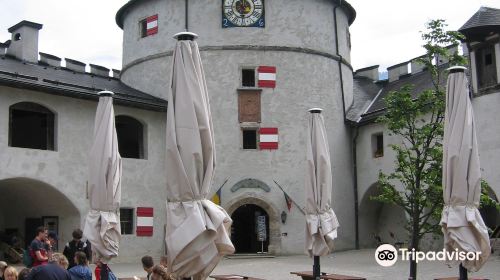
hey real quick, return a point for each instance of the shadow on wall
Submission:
(27, 203)
(379, 222)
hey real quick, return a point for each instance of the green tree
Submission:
(415, 183)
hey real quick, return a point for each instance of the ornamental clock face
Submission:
(243, 13)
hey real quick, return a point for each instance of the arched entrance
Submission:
(250, 229)
(491, 216)
(273, 222)
(26, 204)
(379, 222)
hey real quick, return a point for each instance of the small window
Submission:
(130, 137)
(149, 26)
(127, 220)
(248, 77)
(486, 66)
(348, 38)
(488, 59)
(31, 126)
(249, 139)
(378, 145)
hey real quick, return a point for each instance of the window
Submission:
(248, 77)
(149, 26)
(31, 126)
(130, 137)
(486, 66)
(249, 138)
(127, 220)
(378, 145)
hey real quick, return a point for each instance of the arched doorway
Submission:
(250, 229)
(26, 204)
(379, 222)
(491, 216)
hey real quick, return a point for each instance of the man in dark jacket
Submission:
(54, 270)
(77, 245)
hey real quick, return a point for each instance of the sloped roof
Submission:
(482, 23)
(365, 90)
(421, 81)
(65, 82)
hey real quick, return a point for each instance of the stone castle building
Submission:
(264, 70)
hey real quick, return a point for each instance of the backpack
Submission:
(27, 259)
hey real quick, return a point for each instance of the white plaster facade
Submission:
(300, 43)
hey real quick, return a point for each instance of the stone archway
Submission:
(27, 203)
(274, 246)
(379, 222)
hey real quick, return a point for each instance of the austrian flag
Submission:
(267, 76)
(268, 138)
(144, 221)
(152, 25)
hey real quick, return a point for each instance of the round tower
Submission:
(266, 63)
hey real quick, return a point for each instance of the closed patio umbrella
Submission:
(197, 229)
(461, 222)
(321, 222)
(102, 224)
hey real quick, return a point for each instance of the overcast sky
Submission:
(385, 32)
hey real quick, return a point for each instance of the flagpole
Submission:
(227, 179)
(298, 206)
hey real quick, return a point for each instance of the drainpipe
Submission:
(340, 59)
(355, 171)
(186, 15)
(355, 181)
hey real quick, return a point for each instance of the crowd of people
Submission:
(43, 262)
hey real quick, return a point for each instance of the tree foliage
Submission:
(417, 119)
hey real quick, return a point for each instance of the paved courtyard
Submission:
(356, 263)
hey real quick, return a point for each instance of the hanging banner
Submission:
(261, 228)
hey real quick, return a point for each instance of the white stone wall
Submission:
(303, 80)
(488, 135)
(63, 172)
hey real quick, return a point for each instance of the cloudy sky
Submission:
(385, 32)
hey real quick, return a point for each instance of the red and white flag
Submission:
(268, 138)
(152, 25)
(267, 76)
(144, 226)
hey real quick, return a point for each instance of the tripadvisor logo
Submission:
(387, 255)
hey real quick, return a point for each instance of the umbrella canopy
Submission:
(461, 222)
(321, 222)
(102, 224)
(197, 229)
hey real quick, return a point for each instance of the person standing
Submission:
(77, 245)
(23, 274)
(52, 237)
(10, 273)
(81, 270)
(54, 270)
(39, 248)
(147, 265)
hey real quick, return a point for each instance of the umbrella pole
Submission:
(463, 272)
(316, 268)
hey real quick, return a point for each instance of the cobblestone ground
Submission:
(357, 263)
